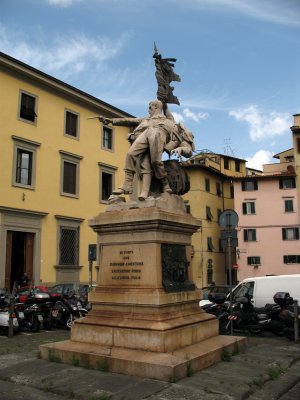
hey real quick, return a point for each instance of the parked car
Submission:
(216, 289)
(65, 288)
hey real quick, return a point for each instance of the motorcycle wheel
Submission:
(69, 322)
(35, 325)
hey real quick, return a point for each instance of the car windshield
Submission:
(245, 289)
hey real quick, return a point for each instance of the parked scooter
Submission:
(42, 300)
(29, 316)
(5, 314)
(245, 316)
(219, 307)
(287, 314)
(66, 310)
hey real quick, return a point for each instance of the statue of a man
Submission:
(150, 138)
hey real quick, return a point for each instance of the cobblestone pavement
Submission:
(269, 369)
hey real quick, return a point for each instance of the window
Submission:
(209, 215)
(231, 192)
(68, 239)
(24, 162)
(226, 163)
(249, 185)
(27, 108)
(249, 207)
(70, 174)
(287, 183)
(249, 235)
(107, 138)
(219, 189)
(187, 207)
(290, 233)
(298, 145)
(207, 185)
(254, 260)
(288, 205)
(244, 289)
(107, 181)
(237, 166)
(24, 167)
(69, 246)
(210, 245)
(71, 124)
(291, 259)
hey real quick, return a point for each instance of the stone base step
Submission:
(162, 366)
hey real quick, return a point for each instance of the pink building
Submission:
(268, 228)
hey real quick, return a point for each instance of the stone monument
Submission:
(145, 318)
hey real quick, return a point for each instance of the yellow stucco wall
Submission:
(198, 198)
(49, 133)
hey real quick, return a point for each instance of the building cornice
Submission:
(11, 64)
(23, 211)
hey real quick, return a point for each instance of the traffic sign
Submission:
(228, 219)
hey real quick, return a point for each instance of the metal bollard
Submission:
(296, 321)
(10, 320)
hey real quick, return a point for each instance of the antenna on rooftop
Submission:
(227, 149)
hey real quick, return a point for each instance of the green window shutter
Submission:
(244, 208)
(245, 235)
(283, 233)
(297, 233)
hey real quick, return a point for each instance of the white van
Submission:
(263, 288)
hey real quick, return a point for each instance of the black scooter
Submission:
(245, 316)
(220, 308)
(66, 310)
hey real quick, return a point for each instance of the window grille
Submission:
(69, 246)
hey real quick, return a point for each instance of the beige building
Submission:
(57, 170)
(211, 193)
(268, 206)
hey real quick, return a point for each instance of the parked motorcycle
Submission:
(66, 310)
(5, 314)
(287, 314)
(245, 316)
(29, 316)
(42, 300)
(219, 307)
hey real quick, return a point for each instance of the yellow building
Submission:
(211, 193)
(57, 170)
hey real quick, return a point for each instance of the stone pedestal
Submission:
(145, 318)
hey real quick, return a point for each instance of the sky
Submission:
(238, 61)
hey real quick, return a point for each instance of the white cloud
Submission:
(68, 55)
(194, 116)
(262, 126)
(62, 3)
(282, 12)
(178, 117)
(188, 114)
(260, 157)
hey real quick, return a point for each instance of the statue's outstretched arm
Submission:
(118, 121)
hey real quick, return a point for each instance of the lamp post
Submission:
(228, 221)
